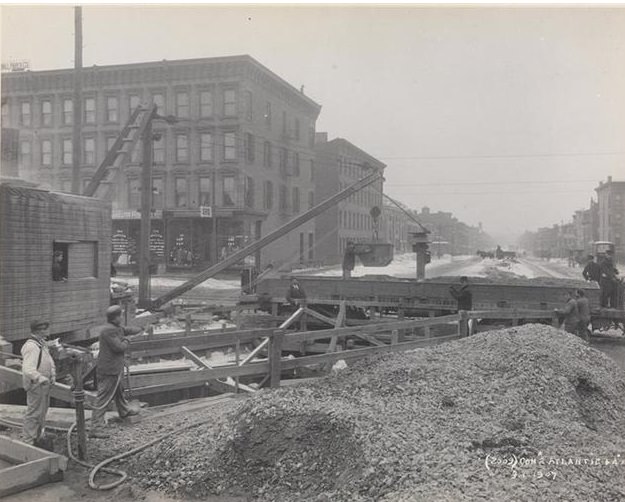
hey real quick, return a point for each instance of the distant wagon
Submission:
(55, 253)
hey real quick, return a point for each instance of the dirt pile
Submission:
(523, 413)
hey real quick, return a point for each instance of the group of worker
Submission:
(39, 375)
(576, 314)
(603, 271)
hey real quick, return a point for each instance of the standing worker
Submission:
(583, 311)
(592, 270)
(608, 281)
(38, 375)
(114, 342)
(349, 260)
(464, 296)
(295, 292)
(571, 315)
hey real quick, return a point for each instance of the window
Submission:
(296, 166)
(311, 199)
(46, 153)
(268, 195)
(205, 191)
(182, 105)
(60, 253)
(206, 104)
(159, 100)
(25, 114)
(295, 199)
(268, 114)
(249, 191)
(206, 147)
(134, 102)
(25, 154)
(90, 111)
(112, 109)
(158, 151)
(228, 191)
(134, 192)
(67, 152)
(249, 105)
(284, 154)
(250, 147)
(230, 103)
(230, 151)
(283, 202)
(89, 152)
(182, 148)
(68, 111)
(46, 113)
(267, 154)
(182, 192)
(157, 193)
(297, 132)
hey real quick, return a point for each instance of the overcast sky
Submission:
(504, 116)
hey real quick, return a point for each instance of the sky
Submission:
(505, 116)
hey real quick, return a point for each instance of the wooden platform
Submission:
(24, 466)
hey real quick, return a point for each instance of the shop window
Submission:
(205, 191)
(228, 193)
(181, 194)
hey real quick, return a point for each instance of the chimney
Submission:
(321, 137)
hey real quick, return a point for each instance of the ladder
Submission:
(118, 156)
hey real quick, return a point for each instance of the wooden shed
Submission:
(55, 251)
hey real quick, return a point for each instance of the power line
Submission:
(505, 156)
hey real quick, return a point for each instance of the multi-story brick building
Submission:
(242, 144)
(338, 164)
(611, 210)
(397, 228)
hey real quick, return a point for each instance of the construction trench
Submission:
(416, 410)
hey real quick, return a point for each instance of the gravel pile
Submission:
(432, 424)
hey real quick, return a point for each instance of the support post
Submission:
(427, 330)
(145, 299)
(401, 315)
(394, 337)
(275, 356)
(79, 401)
(463, 324)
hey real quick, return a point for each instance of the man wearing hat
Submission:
(110, 366)
(38, 375)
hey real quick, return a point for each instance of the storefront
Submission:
(125, 240)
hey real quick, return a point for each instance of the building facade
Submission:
(611, 214)
(397, 228)
(240, 150)
(338, 164)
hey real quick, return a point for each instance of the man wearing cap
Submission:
(592, 270)
(114, 342)
(38, 375)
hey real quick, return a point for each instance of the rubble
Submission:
(431, 424)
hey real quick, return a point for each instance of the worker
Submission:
(295, 292)
(592, 270)
(59, 272)
(463, 294)
(114, 342)
(583, 311)
(349, 260)
(38, 375)
(608, 282)
(570, 313)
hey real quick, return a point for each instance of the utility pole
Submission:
(77, 110)
(145, 299)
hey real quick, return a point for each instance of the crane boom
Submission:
(268, 239)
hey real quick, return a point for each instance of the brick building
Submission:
(611, 214)
(339, 164)
(397, 228)
(242, 145)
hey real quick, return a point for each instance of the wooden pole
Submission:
(79, 401)
(145, 299)
(275, 357)
(77, 102)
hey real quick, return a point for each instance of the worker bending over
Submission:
(583, 312)
(114, 342)
(38, 375)
(570, 313)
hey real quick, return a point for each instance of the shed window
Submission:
(74, 260)
(60, 256)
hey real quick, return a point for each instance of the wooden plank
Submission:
(371, 339)
(372, 328)
(24, 476)
(275, 357)
(252, 355)
(510, 314)
(216, 384)
(321, 317)
(199, 377)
